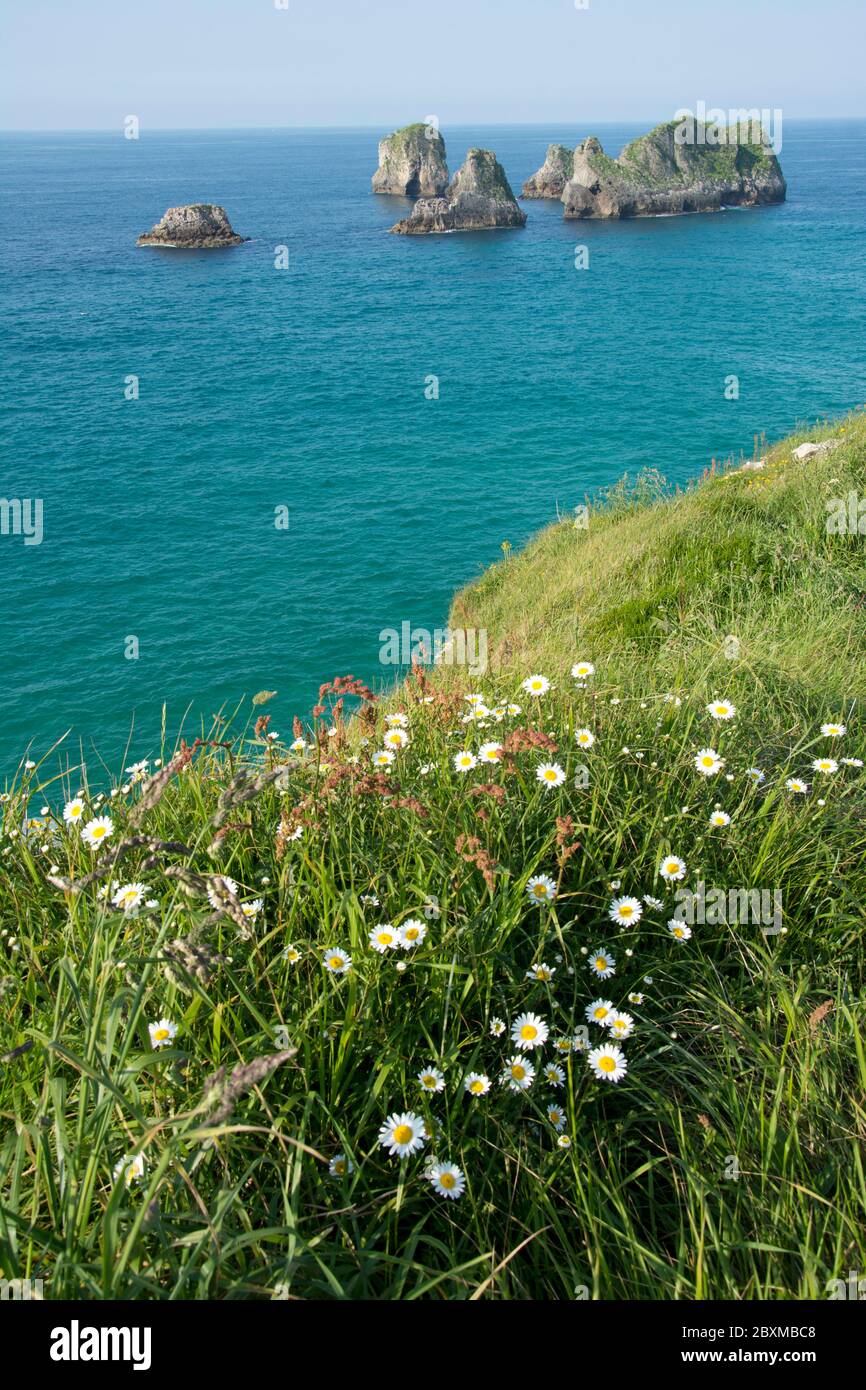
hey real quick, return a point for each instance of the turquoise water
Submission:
(261, 388)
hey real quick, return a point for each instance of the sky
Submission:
(201, 64)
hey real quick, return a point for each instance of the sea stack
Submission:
(554, 174)
(683, 166)
(194, 227)
(478, 198)
(412, 163)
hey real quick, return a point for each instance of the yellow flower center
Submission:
(161, 1034)
(335, 962)
(98, 832)
(476, 1087)
(607, 1063)
(600, 1013)
(411, 933)
(430, 1082)
(550, 775)
(539, 890)
(402, 1134)
(518, 1072)
(447, 1180)
(339, 1168)
(600, 963)
(528, 1032)
(626, 911)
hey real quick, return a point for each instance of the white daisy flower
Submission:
(384, 938)
(542, 972)
(550, 774)
(536, 685)
(833, 730)
(852, 762)
(608, 1062)
(563, 1142)
(497, 1027)
(636, 998)
(708, 762)
(412, 933)
(396, 738)
(602, 964)
(626, 911)
(253, 908)
(678, 930)
(556, 1116)
(582, 670)
(130, 1169)
(73, 811)
(825, 765)
(337, 961)
(447, 1179)
(513, 710)
(654, 903)
(584, 737)
(794, 784)
(721, 709)
(541, 889)
(490, 752)
(621, 1025)
(431, 1079)
(519, 1074)
(599, 1011)
(292, 955)
(528, 1031)
(402, 1134)
(340, 1166)
(397, 721)
(384, 758)
(212, 894)
(553, 1074)
(130, 896)
(162, 1033)
(720, 818)
(297, 746)
(464, 761)
(755, 775)
(476, 1083)
(672, 868)
(97, 830)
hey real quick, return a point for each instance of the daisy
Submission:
(162, 1033)
(396, 738)
(397, 721)
(719, 818)
(497, 1027)
(554, 1075)
(384, 938)
(852, 762)
(97, 830)
(755, 775)
(582, 669)
(513, 710)
(297, 746)
(621, 1025)
(584, 738)
(551, 774)
(464, 761)
(678, 930)
(721, 709)
(447, 1179)
(708, 762)
(402, 1134)
(654, 903)
(252, 909)
(635, 998)
(73, 811)
(337, 962)
(625, 910)
(795, 785)
(476, 1083)
(599, 1011)
(130, 1169)
(384, 758)
(519, 1074)
(672, 868)
(602, 965)
(213, 895)
(528, 1031)
(833, 730)
(477, 714)
(129, 897)
(556, 1116)
(536, 685)
(562, 1044)
(541, 889)
(412, 933)
(138, 771)
(608, 1062)
(490, 752)
(291, 954)
(340, 1166)
(563, 1142)
(825, 765)
(431, 1080)
(541, 972)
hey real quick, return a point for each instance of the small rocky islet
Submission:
(192, 227)
(412, 162)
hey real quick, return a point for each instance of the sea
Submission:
(248, 465)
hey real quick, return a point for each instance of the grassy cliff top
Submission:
(650, 159)
(470, 923)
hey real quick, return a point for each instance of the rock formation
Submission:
(193, 227)
(478, 198)
(554, 174)
(682, 166)
(412, 163)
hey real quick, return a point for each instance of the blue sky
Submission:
(217, 63)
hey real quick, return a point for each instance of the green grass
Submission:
(727, 1163)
